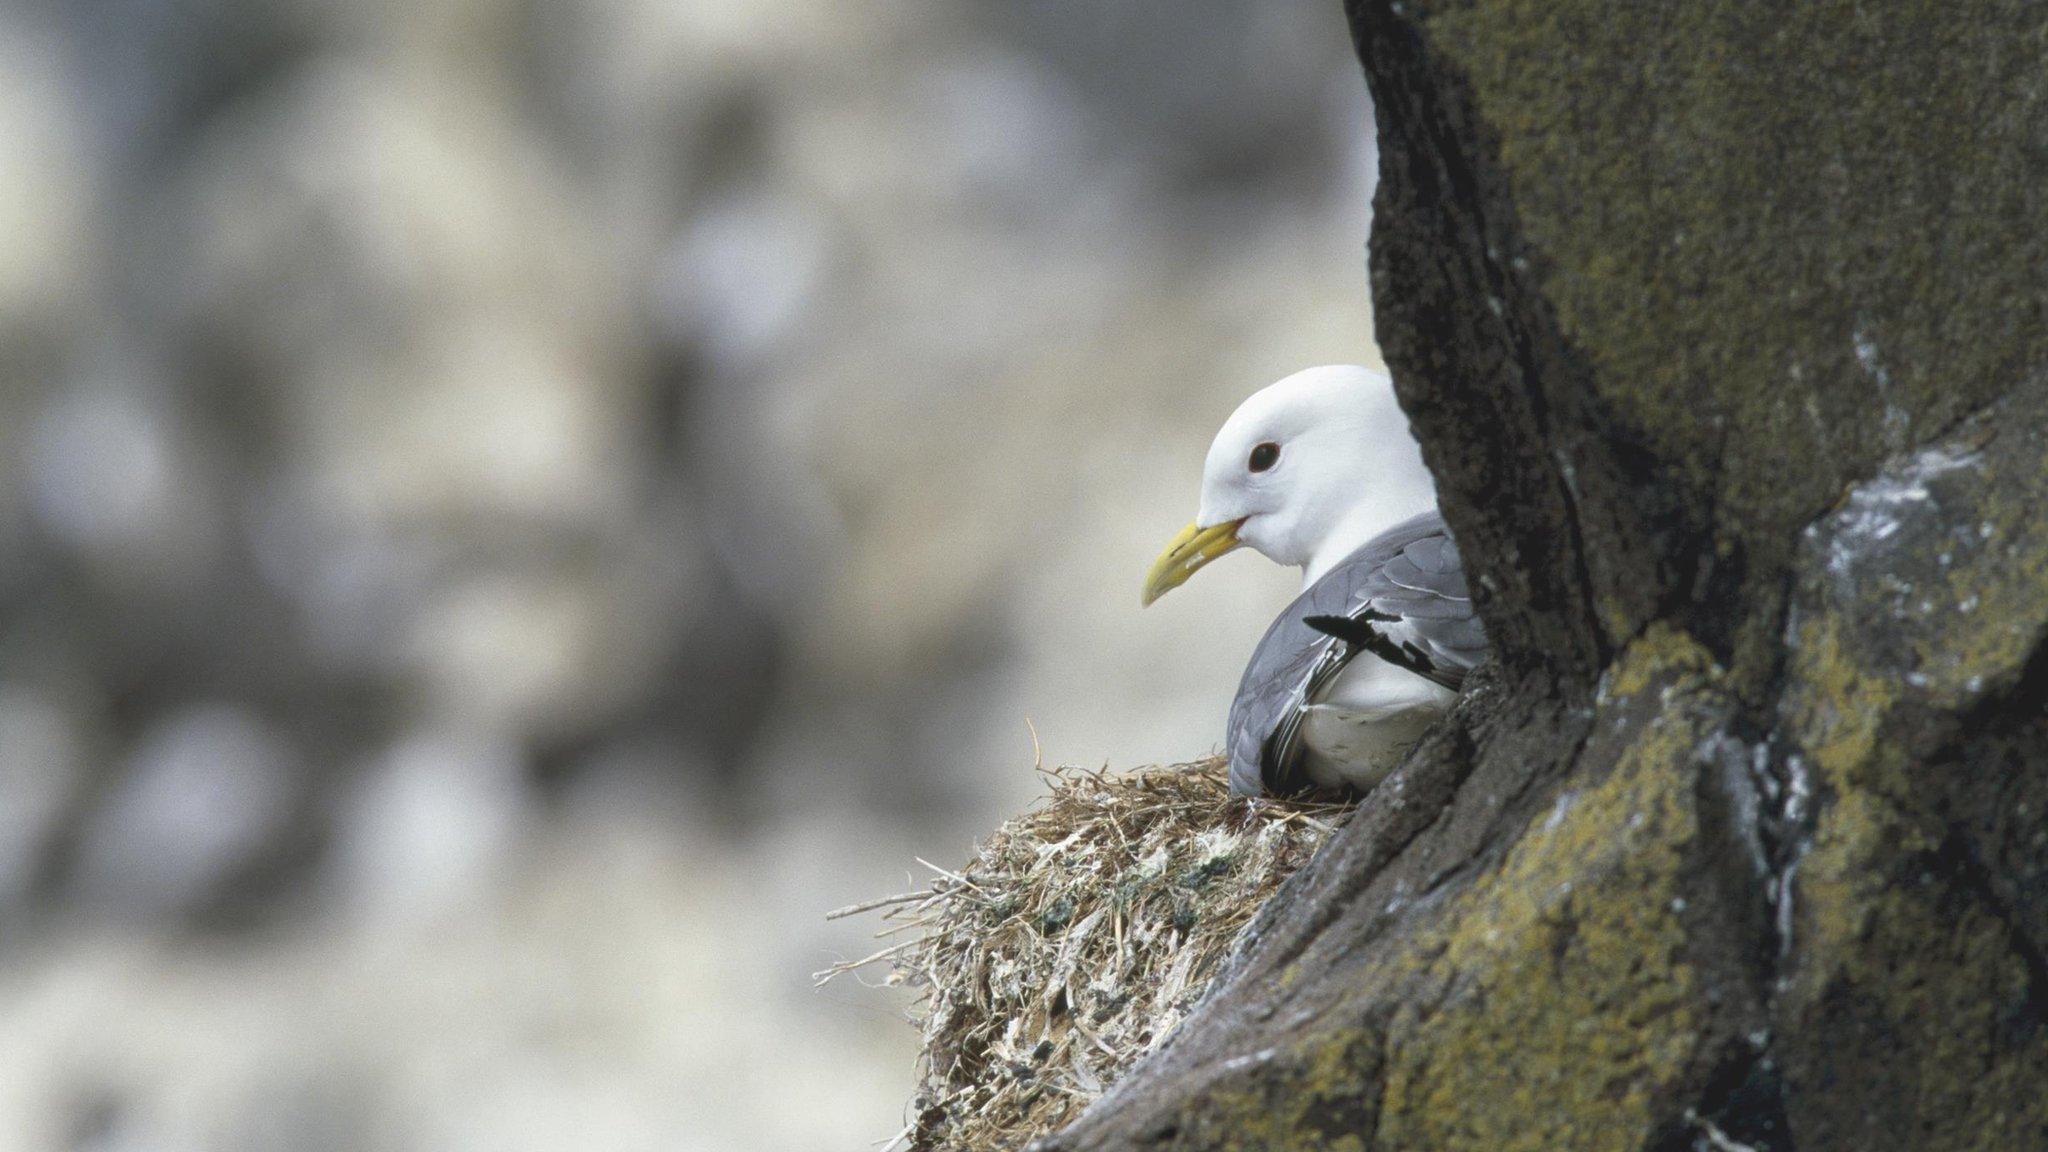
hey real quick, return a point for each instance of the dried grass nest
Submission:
(1076, 940)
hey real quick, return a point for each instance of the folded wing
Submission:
(1404, 597)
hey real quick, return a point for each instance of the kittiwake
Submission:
(1320, 470)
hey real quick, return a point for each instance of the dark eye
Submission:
(1264, 456)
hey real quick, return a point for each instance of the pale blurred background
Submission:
(509, 511)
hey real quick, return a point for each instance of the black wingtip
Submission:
(1358, 631)
(1353, 631)
(1278, 775)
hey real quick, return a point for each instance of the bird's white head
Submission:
(1304, 472)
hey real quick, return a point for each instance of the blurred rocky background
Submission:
(511, 509)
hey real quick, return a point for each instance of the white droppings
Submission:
(1715, 1138)
(1557, 811)
(1866, 355)
(1741, 772)
(1760, 771)
(1800, 783)
(1798, 800)
(1785, 913)
(1873, 513)
(1897, 421)
(1240, 1063)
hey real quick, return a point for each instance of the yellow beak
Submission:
(1190, 550)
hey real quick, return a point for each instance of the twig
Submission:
(871, 905)
(821, 978)
(955, 877)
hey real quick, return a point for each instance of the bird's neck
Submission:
(1358, 526)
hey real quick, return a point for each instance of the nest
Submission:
(1075, 941)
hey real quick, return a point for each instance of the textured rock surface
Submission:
(1725, 328)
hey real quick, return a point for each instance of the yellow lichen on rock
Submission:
(1924, 596)
(1567, 1001)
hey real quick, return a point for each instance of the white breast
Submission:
(1367, 719)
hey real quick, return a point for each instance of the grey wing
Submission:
(1418, 599)
(1288, 662)
(1409, 583)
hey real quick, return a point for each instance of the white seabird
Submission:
(1320, 470)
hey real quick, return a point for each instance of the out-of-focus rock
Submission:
(395, 264)
(46, 192)
(431, 824)
(569, 433)
(204, 792)
(1009, 137)
(507, 654)
(1211, 92)
(42, 760)
(115, 478)
(743, 278)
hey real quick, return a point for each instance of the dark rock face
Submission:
(1725, 328)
